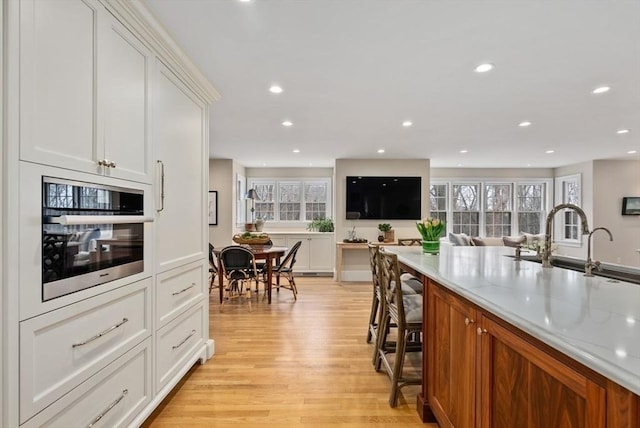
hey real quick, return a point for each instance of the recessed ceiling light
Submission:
(244, 1)
(483, 68)
(287, 123)
(464, 151)
(407, 123)
(524, 124)
(632, 152)
(528, 165)
(621, 353)
(380, 150)
(601, 90)
(622, 131)
(550, 151)
(459, 164)
(296, 150)
(631, 320)
(264, 164)
(275, 89)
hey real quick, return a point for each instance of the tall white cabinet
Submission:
(96, 91)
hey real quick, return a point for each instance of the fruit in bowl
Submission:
(251, 238)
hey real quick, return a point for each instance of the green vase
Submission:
(430, 247)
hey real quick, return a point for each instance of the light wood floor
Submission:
(302, 364)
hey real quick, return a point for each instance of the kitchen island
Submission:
(510, 343)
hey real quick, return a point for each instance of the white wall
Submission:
(491, 172)
(356, 263)
(614, 179)
(221, 180)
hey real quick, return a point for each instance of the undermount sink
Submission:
(613, 272)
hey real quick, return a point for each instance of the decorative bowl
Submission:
(251, 239)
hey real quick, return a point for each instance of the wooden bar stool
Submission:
(405, 312)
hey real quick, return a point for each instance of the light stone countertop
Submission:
(592, 320)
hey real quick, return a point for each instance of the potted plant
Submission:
(321, 225)
(387, 232)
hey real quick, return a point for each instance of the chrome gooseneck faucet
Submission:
(590, 264)
(546, 253)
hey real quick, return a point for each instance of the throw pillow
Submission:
(532, 239)
(513, 241)
(478, 241)
(460, 239)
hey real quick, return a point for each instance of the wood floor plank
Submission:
(291, 364)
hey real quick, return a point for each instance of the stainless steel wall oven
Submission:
(91, 234)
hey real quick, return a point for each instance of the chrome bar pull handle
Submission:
(184, 340)
(193, 284)
(111, 406)
(161, 185)
(99, 335)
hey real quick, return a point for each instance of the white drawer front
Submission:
(112, 398)
(178, 289)
(62, 348)
(177, 342)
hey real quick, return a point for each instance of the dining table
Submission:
(260, 252)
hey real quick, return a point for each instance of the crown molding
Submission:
(136, 15)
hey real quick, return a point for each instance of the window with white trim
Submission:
(530, 207)
(497, 210)
(466, 209)
(438, 201)
(493, 207)
(568, 190)
(292, 200)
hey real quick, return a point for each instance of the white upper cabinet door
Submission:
(58, 94)
(124, 89)
(179, 125)
(84, 86)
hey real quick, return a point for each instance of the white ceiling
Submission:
(353, 70)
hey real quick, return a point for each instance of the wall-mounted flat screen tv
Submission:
(384, 198)
(631, 205)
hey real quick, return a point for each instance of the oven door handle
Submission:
(72, 220)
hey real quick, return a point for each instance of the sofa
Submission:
(522, 240)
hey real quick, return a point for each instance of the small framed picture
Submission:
(213, 208)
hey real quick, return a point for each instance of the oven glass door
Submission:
(91, 234)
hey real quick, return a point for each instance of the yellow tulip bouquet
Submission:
(430, 228)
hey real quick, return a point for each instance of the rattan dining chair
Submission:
(213, 272)
(239, 267)
(285, 269)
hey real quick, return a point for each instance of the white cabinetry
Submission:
(315, 254)
(84, 82)
(62, 348)
(96, 91)
(178, 133)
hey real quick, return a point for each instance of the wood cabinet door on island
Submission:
(451, 340)
(522, 386)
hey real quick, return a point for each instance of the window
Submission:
(497, 210)
(266, 205)
(466, 209)
(568, 190)
(292, 200)
(530, 205)
(492, 209)
(289, 201)
(438, 203)
(315, 200)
